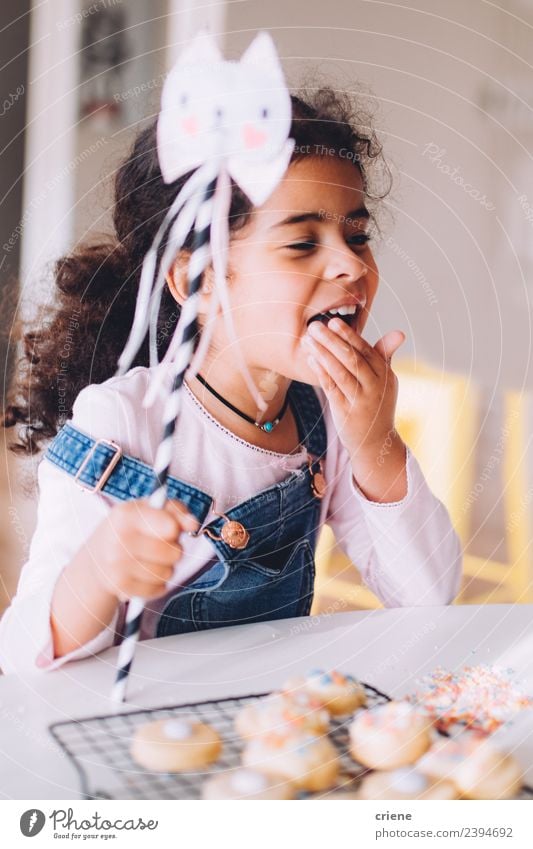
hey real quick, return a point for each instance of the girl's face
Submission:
(303, 253)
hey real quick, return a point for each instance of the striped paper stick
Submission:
(188, 328)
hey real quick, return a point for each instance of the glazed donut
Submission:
(245, 783)
(339, 694)
(293, 713)
(389, 736)
(309, 762)
(341, 793)
(442, 759)
(475, 766)
(175, 745)
(404, 783)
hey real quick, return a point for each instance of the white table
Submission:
(389, 649)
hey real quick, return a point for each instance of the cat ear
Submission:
(259, 182)
(203, 49)
(262, 53)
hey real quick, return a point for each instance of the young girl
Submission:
(250, 491)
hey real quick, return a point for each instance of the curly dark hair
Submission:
(96, 285)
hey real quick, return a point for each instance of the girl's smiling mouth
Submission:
(347, 312)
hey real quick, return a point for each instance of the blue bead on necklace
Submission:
(267, 427)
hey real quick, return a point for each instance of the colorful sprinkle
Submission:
(480, 697)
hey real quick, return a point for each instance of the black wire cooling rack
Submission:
(99, 747)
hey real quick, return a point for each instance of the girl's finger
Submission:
(345, 382)
(180, 512)
(146, 589)
(153, 573)
(347, 354)
(154, 550)
(389, 344)
(375, 361)
(137, 516)
(143, 589)
(327, 384)
(164, 524)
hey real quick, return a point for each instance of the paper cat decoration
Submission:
(235, 113)
(219, 120)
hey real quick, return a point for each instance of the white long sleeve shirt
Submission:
(407, 552)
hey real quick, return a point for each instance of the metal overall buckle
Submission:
(106, 473)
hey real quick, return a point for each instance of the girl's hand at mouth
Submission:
(362, 389)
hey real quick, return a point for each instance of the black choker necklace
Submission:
(267, 427)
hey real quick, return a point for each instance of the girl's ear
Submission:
(177, 283)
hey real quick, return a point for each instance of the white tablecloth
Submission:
(389, 649)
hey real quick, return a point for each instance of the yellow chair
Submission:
(518, 496)
(437, 418)
(337, 583)
(512, 581)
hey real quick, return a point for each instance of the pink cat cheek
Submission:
(190, 125)
(252, 137)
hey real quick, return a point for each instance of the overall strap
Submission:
(309, 418)
(98, 465)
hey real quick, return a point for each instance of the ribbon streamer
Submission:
(223, 121)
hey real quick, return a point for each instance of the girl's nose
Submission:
(344, 264)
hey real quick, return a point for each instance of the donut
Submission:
(489, 774)
(337, 795)
(389, 736)
(405, 783)
(340, 694)
(477, 768)
(309, 762)
(175, 745)
(282, 713)
(245, 783)
(443, 758)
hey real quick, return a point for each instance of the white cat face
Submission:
(217, 109)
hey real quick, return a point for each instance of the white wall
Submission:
(437, 71)
(47, 225)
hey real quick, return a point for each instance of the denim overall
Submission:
(272, 575)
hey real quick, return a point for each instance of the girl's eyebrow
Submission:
(323, 215)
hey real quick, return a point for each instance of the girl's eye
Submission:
(360, 239)
(302, 246)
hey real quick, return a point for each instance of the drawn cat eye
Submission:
(184, 99)
(264, 113)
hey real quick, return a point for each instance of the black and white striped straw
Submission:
(188, 330)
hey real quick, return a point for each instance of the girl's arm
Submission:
(131, 553)
(66, 517)
(61, 599)
(407, 551)
(81, 607)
